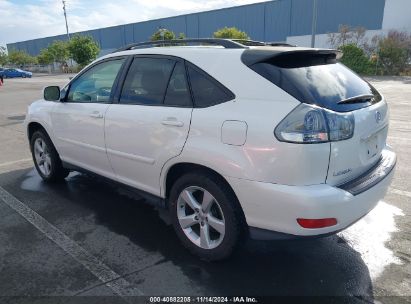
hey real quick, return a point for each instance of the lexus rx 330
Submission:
(234, 138)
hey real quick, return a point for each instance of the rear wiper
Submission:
(357, 98)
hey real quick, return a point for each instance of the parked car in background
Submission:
(273, 142)
(13, 73)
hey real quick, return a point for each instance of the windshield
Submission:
(318, 80)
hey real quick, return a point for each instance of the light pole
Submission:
(162, 31)
(65, 17)
(314, 23)
(67, 29)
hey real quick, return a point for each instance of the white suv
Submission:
(234, 138)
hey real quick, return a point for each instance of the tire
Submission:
(46, 159)
(223, 209)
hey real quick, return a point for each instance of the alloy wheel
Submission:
(201, 217)
(42, 156)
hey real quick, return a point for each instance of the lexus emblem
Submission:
(378, 116)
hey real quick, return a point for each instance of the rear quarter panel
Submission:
(262, 157)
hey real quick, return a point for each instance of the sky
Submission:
(29, 19)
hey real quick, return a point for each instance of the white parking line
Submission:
(110, 278)
(400, 192)
(399, 138)
(15, 162)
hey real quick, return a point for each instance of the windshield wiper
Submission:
(358, 98)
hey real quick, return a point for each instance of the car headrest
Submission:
(153, 81)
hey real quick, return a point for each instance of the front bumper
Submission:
(276, 207)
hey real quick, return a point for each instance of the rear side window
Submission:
(178, 93)
(319, 80)
(206, 90)
(147, 80)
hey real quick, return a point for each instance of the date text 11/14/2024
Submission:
(203, 299)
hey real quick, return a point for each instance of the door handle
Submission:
(172, 121)
(96, 114)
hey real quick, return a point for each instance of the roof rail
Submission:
(260, 43)
(249, 42)
(279, 44)
(226, 43)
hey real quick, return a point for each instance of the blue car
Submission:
(12, 73)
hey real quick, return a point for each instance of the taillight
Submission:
(312, 124)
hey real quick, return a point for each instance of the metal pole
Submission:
(314, 24)
(162, 33)
(65, 17)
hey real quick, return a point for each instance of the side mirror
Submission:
(51, 93)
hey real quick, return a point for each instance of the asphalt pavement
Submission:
(93, 240)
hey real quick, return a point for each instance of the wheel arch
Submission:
(34, 126)
(179, 169)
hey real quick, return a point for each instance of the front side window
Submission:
(96, 84)
(147, 80)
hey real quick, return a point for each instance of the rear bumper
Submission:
(373, 176)
(272, 207)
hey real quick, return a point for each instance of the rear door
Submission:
(78, 121)
(335, 87)
(352, 157)
(150, 123)
(317, 78)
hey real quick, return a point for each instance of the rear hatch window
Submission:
(317, 79)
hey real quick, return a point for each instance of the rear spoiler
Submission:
(256, 55)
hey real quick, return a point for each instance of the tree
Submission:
(356, 59)
(83, 49)
(394, 52)
(358, 36)
(45, 57)
(20, 58)
(58, 50)
(348, 35)
(371, 46)
(230, 33)
(164, 34)
(390, 54)
(3, 56)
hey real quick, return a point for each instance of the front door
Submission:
(151, 121)
(78, 121)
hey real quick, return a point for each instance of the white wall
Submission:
(321, 41)
(397, 14)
